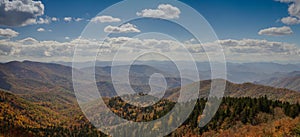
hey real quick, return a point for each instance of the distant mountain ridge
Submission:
(284, 80)
(31, 77)
(236, 72)
(244, 90)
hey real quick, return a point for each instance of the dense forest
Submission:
(238, 116)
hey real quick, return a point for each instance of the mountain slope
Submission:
(53, 113)
(28, 118)
(28, 77)
(16, 111)
(34, 77)
(288, 80)
(245, 90)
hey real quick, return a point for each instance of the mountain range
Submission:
(39, 96)
(236, 72)
(283, 80)
(32, 77)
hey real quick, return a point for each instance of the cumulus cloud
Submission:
(30, 47)
(294, 9)
(276, 31)
(43, 49)
(67, 19)
(286, 1)
(54, 19)
(40, 30)
(255, 46)
(290, 20)
(294, 12)
(28, 41)
(8, 33)
(103, 19)
(20, 12)
(125, 28)
(244, 46)
(46, 20)
(78, 19)
(249, 50)
(135, 44)
(242, 50)
(164, 11)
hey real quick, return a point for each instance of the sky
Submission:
(248, 31)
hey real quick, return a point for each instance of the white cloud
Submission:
(290, 20)
(30, 47)
(276, 31)
(103, 19)
(242, 50)
(294, 12)
(20, 12)
(255, 46)
(191, 41)
(136, 44)
(125, 28)
(249, 50)
(286, 1)
(244, 46)
(294, 9)
(8, 33)
(46, 20)
(67, 19)
(78, 19)
(28, 41)
(67, 38)
(164, 11)
(54, 19)
(40, 30)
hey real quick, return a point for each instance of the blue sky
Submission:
(230, 19)
(240, 19)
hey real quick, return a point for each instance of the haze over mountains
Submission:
(283, 80)
(236, 72)
(33, 77)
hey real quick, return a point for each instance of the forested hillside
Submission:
(21, 117)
